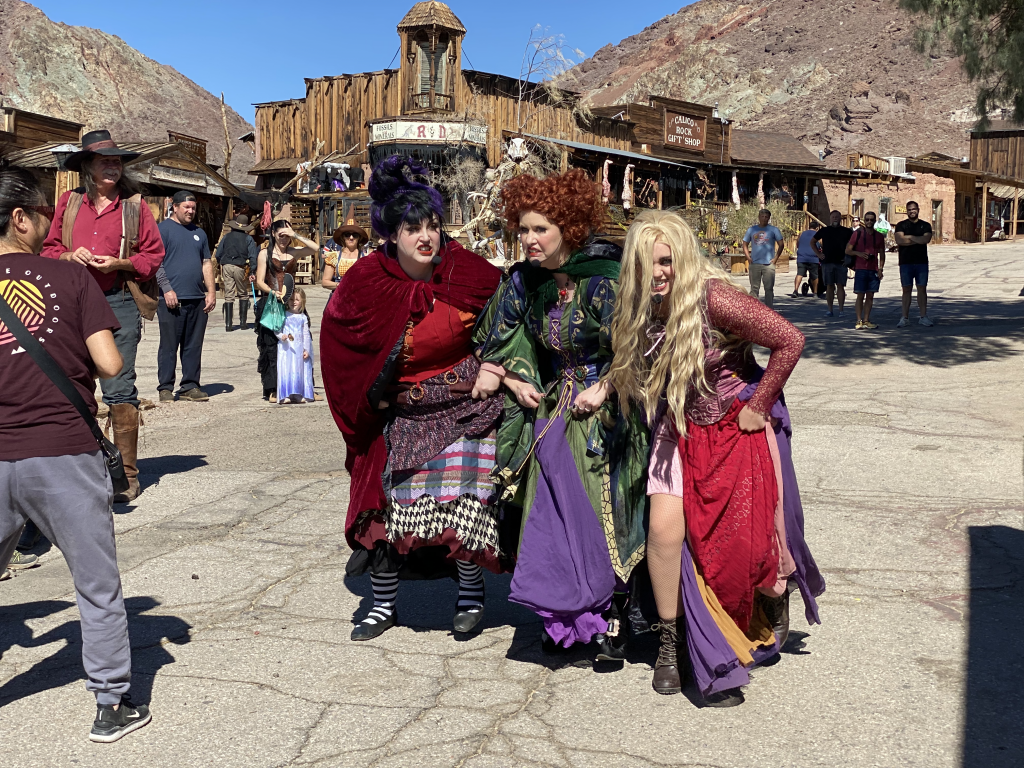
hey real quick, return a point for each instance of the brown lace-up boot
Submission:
(124, 419)
(667, 678)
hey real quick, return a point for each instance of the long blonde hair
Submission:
(679, 363)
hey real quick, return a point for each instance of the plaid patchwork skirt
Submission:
(453, 491)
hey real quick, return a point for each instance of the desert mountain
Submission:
(840, 76)
(88, 76)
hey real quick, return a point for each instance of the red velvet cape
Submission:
(364, 319)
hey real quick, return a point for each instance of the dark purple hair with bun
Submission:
(401, 194)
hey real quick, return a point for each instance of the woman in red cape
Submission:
(413, 403)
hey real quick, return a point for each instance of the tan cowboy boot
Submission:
(124, 418)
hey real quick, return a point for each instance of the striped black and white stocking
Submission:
(385, 591)
(471, 587)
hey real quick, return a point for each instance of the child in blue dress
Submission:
(295, 354)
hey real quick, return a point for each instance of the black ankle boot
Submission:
(229, 311)
(667, 676)
(243, 314)
(777, 611)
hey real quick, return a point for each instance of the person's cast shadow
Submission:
(147, 633)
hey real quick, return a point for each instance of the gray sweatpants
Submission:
(71, 500)
(763, 273)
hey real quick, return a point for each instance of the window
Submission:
(883, 208)
(439, 59)
(858, 208)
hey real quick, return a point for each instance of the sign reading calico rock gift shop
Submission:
(426, 132)
(685, 131)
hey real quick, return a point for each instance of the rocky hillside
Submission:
(88, 76)
(840, 76)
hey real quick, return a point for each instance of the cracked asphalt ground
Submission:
(908, 450)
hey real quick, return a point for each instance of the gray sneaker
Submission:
(21, 560)
(166, 396)
(925, 322)
(196, 395)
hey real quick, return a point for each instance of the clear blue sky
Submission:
(261, 51)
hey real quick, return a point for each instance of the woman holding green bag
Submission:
(278, 259)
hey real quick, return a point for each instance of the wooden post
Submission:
(1013, 224)
(687, 197)
(849, 199)
(984, 209)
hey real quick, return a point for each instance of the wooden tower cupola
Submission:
(431, 57)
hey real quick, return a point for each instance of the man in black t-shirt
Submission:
(833, 240)
(912, 238)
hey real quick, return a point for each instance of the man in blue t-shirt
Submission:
(763, 245)
(189, 295)
(808, 255)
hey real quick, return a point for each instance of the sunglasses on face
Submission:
(43, 210)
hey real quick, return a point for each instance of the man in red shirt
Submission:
(96, 242)
(868, 246)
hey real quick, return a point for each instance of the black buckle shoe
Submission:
(364, 630)
(466, 621)
(111, 724)
(611, 645)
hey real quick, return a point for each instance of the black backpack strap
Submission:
(48, 365)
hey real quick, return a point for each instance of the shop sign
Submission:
(685, 131)
(427, 132)
(177, 176)
(196, 146)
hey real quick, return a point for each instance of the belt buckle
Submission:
(417, 393)
(455, 378)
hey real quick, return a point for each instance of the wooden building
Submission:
(162, 169)
(678, 153)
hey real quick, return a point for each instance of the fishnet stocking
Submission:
(665, 539)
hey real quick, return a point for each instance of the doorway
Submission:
(937, 222)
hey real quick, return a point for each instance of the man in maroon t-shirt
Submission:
(51, 469)
(868, 247)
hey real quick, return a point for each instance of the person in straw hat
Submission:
(276, 262)
(105, 227)
(235, 251)
(349, 239)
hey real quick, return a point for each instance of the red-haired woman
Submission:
(549, 325)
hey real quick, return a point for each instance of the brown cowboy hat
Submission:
(97, 143)
(350, 228)
(241, 224)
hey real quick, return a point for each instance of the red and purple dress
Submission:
(744, 520)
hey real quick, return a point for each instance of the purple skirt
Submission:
(564, 572)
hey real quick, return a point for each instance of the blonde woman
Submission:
(724, 500)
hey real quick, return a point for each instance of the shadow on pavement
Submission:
(966, 331)
(154, 468)
(993, 737)
(217, 389)
(147, 634)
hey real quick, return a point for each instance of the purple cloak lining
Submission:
(564, 572)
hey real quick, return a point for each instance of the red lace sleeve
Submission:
(737, 312)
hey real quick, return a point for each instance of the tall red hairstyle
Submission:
(569, 200)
